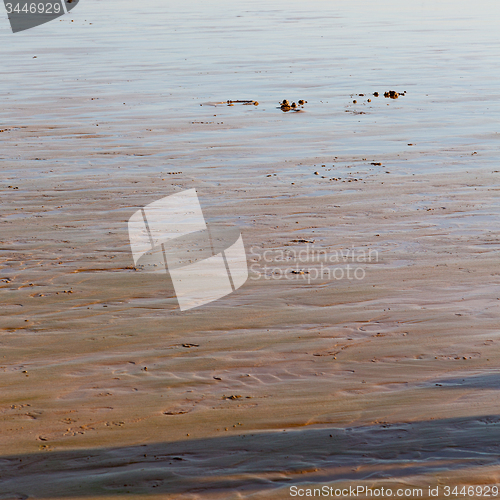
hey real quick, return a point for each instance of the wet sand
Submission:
(399, 368)
(109, 391)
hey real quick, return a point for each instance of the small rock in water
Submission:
(392, 94)
(286, 106)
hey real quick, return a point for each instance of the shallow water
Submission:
(165, 60)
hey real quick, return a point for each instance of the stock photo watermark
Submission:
(311, 263)
(205, 262)
(26, 14)
(359, 491)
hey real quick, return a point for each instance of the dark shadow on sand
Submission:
(488, 381)
(256, 461)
